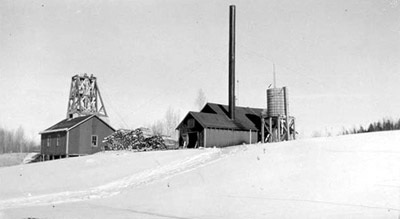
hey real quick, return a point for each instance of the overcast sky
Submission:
(339, 59)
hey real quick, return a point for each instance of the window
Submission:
(48, 141)
(94, 141)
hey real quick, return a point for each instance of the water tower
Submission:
(84, 97)
(276, 124)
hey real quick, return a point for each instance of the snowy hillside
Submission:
(355, 176)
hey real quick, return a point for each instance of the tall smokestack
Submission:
(232, 18)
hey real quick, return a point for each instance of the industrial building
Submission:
(212, 126)
(220, 125)
(85, 126)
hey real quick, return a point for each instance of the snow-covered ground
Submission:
(355, 176)
(11, 159)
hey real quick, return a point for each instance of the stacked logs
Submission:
(134, 140)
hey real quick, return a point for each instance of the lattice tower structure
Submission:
(85, 98)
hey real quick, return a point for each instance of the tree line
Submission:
(384, 125)
(15, 141)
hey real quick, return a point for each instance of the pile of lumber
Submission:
(135, 140)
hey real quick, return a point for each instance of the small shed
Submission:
(212, 126)
(73, 137)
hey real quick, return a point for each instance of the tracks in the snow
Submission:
(138, 179)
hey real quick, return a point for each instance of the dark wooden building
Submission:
(212, 126)
(73, 137)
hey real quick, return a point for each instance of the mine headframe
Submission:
(84, 97)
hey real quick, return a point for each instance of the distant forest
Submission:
(14, 141)
(384, 125)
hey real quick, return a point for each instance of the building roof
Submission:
(209, 120)
(217, 116)
(68, 124)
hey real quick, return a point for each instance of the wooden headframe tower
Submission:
(85, 98)
(276, 124)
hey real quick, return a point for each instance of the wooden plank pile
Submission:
(135, 140)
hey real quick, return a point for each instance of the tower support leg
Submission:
(278, 124)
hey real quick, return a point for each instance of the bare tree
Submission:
(167, 125)
(19, 139)
(16, 141)
(157, 127)
(172, 118)
(200, 99)
(9, 142)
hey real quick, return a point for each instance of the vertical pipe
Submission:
(286, 100)
(232, 23)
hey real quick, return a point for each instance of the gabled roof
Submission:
(68, 124)
(209, 120)
(217, 116)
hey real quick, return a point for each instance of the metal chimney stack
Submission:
(232, 18)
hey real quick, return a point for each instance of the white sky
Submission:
(339, 59)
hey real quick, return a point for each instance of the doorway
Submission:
(192, 140)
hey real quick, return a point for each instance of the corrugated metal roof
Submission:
(246, 118)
